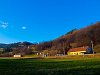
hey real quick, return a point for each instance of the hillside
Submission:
(75, 38)
(3, 45)
(83, 37)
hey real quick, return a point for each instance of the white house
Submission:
(17, 56)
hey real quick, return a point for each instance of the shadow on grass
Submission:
(79, 71)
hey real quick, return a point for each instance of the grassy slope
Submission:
(49, 66)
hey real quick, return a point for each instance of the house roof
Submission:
(78, 49)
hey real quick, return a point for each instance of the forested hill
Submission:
(84, 36)
(75, 38)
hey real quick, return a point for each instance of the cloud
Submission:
(23, 27)
(3, 25)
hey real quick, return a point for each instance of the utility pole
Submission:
(63, 47)
(92, 46)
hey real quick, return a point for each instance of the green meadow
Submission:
(84, 66)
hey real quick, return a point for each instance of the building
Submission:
(17, 55)
(80, 51)
(2, 49)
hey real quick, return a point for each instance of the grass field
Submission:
(84, 66)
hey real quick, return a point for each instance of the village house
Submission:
(17, 55)
(80, 51)
(2, 49)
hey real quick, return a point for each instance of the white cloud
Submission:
(24, 27)
(3, 25)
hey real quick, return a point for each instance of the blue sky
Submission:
(44, 20)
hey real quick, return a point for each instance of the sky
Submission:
(44, 20)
